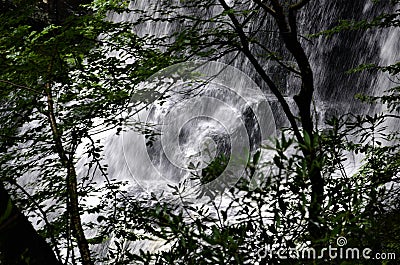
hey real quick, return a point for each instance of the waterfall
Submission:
(223, 118)
(335, 89)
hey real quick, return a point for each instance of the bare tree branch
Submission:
(298, 5)
(267, 8)
(276, 59)
(43, 213)
(260, 70)
(20, 86)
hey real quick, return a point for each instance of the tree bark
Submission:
(286, 20)
(71, 181)
(285, 17)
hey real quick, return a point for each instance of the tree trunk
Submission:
(71, 182)
(287, 24)
(285, 18)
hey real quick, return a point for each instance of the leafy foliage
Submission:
(86, 69)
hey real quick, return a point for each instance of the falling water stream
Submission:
(200, 121)
(231, 114)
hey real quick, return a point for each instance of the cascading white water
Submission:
(221, 114)
(195, 127)
(335, 89)
(389, 54)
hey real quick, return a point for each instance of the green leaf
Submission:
(7, 211)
